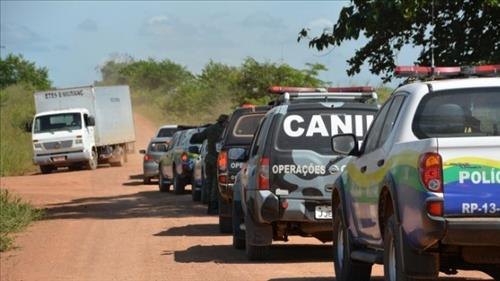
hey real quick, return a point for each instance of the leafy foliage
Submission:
(14, 216)
(465, 32)
(15, 69)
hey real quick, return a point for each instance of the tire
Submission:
(146, 180)
(225, 224)
(92, 162)
(254, 252)
(178, 185)
(195, 194)
(162, 186)
(46, 169)
(237, 219)
(345, 268)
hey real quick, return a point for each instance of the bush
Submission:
(16, 110)
(15, 215)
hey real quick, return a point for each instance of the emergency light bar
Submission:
(281, 90)
(304, 94)
(446, 71)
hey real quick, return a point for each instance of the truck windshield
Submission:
(459, 113)
(58, 122)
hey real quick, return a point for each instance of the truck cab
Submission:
(62, 138)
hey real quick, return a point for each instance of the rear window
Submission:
(459, 113)
(157, 147)
(313, 129)
(166, 132)
(247, 125)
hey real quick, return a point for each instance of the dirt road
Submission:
(107, 225)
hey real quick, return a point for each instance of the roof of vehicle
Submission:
(168, 126)
(322, 105)
(166, 139)
(451, 84)
(62, 111)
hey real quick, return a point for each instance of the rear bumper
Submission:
(472, 232)
(267, 208)
(70, 157)
(150, 169)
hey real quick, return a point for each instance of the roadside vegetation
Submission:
(15, 215)
(19, 78)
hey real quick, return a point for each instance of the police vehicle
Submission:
(422, 194)
(287, 181)
(235, 143)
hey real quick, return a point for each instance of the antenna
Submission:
(432, 34)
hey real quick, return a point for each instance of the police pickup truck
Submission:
(286, 184)
(422, 194)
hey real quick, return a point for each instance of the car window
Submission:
(312, 129)
(370, 143)
(459, 113)
(246, 125)
(255, 141)
(390, 119)
(157, 147)
(166, 132)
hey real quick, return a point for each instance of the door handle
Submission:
(363, 169)
(380, 162)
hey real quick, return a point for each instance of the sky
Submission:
(73, 38)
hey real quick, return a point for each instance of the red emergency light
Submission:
(446, 71)
(281, 90)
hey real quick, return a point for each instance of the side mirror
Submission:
(91, 121)
(28, 126)
(345, 144)
(194, 149)
(142, 151)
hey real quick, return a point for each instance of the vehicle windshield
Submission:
(459, 113)
(313, 130)
(166, 132)
(58, 122)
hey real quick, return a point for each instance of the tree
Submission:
(15, 69)
(465, 32)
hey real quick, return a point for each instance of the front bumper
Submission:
(46, 158)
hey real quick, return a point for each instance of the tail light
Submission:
(222, 161)
(184, 156)
(435, 208)
(222, 179)
(264, 174)
(148, 157)
(431, 172)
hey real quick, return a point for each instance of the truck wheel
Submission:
(162, 185)
(254, 252)
(92, 163)
(346, 268)
(225, 217)
(393, 269)
(195, 192)
(178, 185)
(237, 220)
(46, 169)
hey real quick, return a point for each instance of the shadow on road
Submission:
(192, 230)
(278, 254)
(136, 205)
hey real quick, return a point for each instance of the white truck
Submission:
(82, 126)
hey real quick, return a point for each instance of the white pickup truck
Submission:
(82, 126)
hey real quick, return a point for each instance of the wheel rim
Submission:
(340, 247)
(392, 261)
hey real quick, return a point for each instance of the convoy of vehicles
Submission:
(177, 165)
(235, 143)
(416, 188)
(422, 194)
(82, 126)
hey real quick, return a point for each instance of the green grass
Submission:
(16, 109)
(15, 215)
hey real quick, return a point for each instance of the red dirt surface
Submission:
(107, 225)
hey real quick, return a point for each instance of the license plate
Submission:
(323, 212)
(59, 159)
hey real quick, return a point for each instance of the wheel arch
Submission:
(387, 205)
